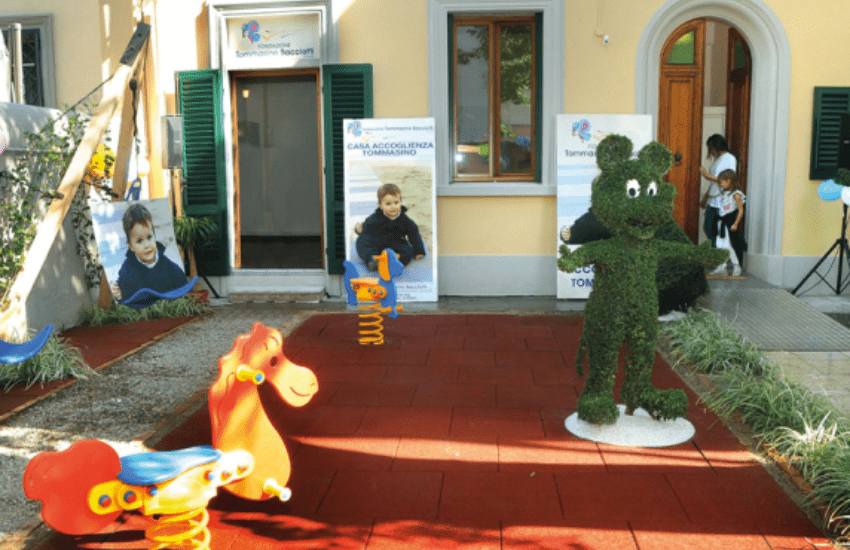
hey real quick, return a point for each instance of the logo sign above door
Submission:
(273, 41)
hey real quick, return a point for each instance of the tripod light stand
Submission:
(843, 255)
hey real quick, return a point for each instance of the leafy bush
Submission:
(186, 306)
(57, 360)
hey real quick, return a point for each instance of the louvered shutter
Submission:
(347, 93)
(199, 97)
(830, 103)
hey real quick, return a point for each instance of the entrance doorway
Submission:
(704, 88)
(278, 178)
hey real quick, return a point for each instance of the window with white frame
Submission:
(494, 92)
(37, 56)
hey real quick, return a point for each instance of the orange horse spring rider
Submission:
(87, 486)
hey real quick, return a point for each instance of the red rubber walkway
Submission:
(451, 435)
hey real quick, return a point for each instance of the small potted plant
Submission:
(193, 234)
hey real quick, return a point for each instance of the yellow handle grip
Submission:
(244, 373)
(272, 488)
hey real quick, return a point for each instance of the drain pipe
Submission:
(17, 59)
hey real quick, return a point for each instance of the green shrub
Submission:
(57, 360)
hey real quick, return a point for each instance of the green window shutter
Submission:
(347, 91)
(830, 103)
(200, 97)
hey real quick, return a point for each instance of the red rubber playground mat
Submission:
(451, 435)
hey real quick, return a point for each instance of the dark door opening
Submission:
(278, 184)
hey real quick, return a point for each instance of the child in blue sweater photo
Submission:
(145, 264)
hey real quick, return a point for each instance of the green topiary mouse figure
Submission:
(632, 201)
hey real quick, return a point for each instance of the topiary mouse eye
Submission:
(652, 189)
(632, 189)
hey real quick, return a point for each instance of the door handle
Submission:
(677, 159)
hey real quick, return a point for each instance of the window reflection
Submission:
(494, 99)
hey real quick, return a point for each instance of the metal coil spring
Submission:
(181, 531)
(371, 324)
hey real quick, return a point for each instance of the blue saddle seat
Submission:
(11, 352)
(145, 297)
(158, 467)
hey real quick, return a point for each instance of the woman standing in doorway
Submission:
(722, 159)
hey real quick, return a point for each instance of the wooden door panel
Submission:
(738, 102)
(680, 123)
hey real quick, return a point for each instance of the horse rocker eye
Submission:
(652, 189)
(632, 189)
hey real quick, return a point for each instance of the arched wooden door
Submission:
(680, 99)
(740, 69)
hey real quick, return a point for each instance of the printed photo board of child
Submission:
(389, 227)
(137, 247)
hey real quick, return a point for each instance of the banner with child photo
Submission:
(138, 251)
(390, 200)
(577, 138)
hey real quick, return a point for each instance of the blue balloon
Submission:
(829, 190)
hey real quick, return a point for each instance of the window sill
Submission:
(495, 189)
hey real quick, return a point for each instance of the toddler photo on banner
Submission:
(138, 250)
(390, 200)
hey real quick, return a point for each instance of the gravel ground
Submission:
(126, 401)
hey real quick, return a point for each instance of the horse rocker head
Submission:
(239, 421)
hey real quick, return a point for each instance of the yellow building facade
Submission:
(494, 238)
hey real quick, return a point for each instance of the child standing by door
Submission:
(730, 228)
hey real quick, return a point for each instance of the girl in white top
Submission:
(718, 150)
(729, 227)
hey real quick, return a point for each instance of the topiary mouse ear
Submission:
(656, 156)
(613, 150)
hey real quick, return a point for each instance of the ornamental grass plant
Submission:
(713, 346)
(788, 419)
(186, 306)
(57, 360)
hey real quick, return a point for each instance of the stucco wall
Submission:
(60, 294)
(76, 43)
(817, 36)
